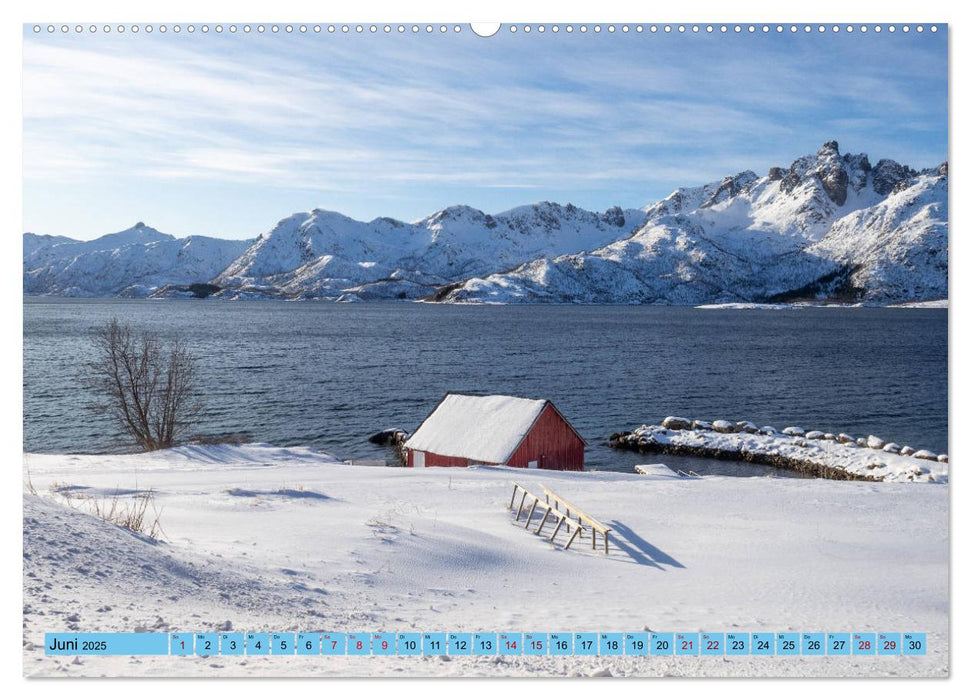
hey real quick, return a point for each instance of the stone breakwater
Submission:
(823, 454)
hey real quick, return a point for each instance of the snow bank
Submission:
(933, 304)
(747, 305)
(654, 470)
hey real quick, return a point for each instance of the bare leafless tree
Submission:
(148, 388)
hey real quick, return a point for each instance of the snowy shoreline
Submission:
(261, 538)
(927, 304)
(826, 455)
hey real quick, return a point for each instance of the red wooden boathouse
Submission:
(465, 430)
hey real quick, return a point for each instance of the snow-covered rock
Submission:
(815, 435)
(892, 447)
(794, 430)
(874, 443)
(724, 426)
(844, 438)
(897, 249)
(676, 423)
(827, 458)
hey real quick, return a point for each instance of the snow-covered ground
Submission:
(258, 538)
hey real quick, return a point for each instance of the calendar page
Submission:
(543, 349)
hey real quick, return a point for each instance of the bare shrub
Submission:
(146, 387)
(29, 484)
(130, 512)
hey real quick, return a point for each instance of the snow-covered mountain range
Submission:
(135, 262)
(830, 225)
(326, 254)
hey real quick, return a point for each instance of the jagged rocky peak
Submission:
(830, 148)
(546, 210)
(541, 216)
(835, 181)
(614, 217)
(889, 175)
(546, 217)
(834, 172)
(731, 186)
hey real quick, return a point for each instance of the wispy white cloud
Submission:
(451, 117)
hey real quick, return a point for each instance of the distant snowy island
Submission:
(831, 227)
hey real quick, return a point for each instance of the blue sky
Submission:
(224, 134)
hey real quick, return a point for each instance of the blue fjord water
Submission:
(327, 375)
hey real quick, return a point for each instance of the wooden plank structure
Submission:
(572, 512)
(549, 512)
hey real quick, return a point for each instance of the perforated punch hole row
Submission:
(484, 30)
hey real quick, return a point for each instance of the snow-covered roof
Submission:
(486, 428)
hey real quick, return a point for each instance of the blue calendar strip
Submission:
(725, 644)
